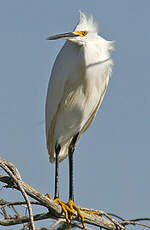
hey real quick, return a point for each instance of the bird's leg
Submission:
(71, 203)
(68, 208)
(71, 151)
(65, 208)
(71, 191)
(57, 150)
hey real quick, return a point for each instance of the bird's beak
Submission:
(65, 36)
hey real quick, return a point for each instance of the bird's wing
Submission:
(60, 73)
(93, 113)
(80, 112)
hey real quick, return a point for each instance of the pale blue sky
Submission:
(112, 161)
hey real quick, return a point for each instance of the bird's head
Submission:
(85, 30)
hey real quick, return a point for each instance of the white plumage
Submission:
(77, 86)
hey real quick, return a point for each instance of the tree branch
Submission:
(102, 219)
(15, 175)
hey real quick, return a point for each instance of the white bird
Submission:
(77, 85)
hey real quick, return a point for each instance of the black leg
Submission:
(57, 150)
(71, 194)
(71, 151)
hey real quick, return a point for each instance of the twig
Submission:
(15, 211)
(114, 215)
(102, 213)
(70, 225)
(13, 172)
(140, 219)
(24, 219)
(6, 203)
(56, 223)
(127, 222)
(113, 220)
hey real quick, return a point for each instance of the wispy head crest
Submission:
(86, 23)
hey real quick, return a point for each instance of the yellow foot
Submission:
(65, 207)
(68, 209)
(72, 207)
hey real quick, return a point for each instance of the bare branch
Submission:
(8, 204)
(55, 210)
(114, 215)
(140, 219)
(101, 219)
(56, 223)
(14, 173)
(127, 222)
(24, 219)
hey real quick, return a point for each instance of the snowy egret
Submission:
(78, 83)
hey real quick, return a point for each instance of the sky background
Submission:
(112, 160)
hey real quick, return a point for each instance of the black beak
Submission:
(65, 35)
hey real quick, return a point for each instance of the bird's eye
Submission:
(83, 33)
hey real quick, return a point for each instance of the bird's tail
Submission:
(62, 154)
